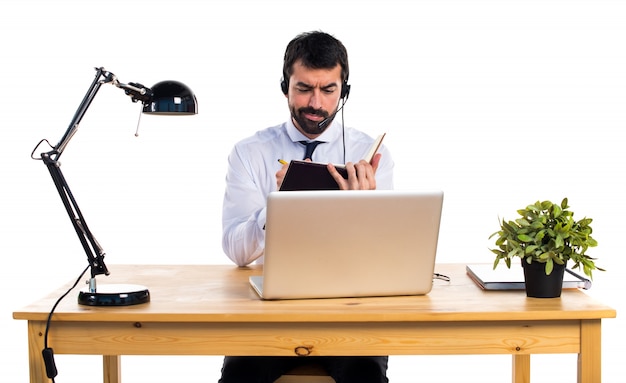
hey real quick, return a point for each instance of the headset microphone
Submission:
(322, 124)
(345, 92)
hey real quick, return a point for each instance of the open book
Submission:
(306, 175)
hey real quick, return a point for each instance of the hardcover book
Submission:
(307, 175)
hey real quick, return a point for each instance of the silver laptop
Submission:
(340, 243)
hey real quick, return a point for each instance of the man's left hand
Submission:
(361, 175)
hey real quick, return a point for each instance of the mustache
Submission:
(313, 111)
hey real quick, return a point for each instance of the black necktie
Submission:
(310, 147)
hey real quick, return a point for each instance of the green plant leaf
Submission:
(530, 248)
(556, 211)
(525, 238)
(530, 208)
(545, 205)
(558, 241)
(536, 225)
(540, 235)
(549, 266)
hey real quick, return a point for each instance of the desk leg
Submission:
(111, 368)
(521, 368)
(589, 358)
(37, 369)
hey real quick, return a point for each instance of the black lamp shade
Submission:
(171, 97)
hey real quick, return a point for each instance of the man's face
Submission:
(313, 95)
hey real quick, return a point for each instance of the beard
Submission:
(309, 126)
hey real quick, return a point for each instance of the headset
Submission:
(345, 88)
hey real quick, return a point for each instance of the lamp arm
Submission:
(95, 254)
(101, 77)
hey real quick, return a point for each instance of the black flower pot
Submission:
(540, 285)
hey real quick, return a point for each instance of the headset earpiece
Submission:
(345, 90)
(284, 87)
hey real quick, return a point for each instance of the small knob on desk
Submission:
(303, 350)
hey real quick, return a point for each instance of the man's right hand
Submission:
(280, 175)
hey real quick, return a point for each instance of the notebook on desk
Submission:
(331, 244)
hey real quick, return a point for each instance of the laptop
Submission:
(343, 243)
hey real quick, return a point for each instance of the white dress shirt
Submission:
(251, 176)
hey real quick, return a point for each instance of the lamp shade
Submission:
(171, 97)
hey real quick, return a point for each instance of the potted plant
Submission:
(546, 237)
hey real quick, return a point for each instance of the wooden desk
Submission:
(211, 310)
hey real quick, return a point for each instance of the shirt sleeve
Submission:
(243, 214)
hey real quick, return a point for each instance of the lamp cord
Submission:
(48, 354)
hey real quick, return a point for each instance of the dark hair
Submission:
(316, 50)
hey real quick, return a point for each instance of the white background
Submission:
(498, 103)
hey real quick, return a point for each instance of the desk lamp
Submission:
(165, 98)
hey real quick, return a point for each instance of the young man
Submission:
(315, 84)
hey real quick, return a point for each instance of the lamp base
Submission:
(115, 295)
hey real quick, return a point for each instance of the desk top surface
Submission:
(221, 293)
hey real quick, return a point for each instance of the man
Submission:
(315, 84)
